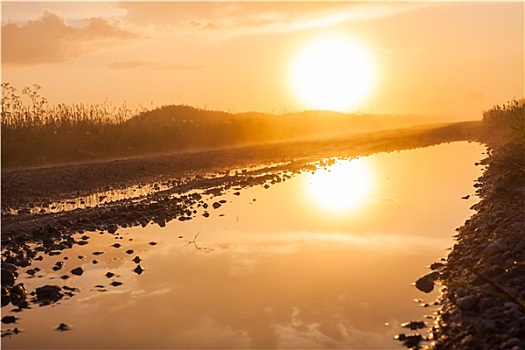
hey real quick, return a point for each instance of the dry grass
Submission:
(506, 122)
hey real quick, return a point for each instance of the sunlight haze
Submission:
(440, 59)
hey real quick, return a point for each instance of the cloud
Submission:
(151, 65)
(258, 17)
(49, 39)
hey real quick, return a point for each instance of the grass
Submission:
(506, 122)
(35, 133)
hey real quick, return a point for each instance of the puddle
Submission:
(326, 259)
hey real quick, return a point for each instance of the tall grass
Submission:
(34, 132)
(506, 122)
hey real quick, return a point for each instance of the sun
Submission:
(332, 73)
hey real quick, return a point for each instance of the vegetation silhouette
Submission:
(34, 133)
(505, 122)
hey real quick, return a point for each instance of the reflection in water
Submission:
(342, 186)
(272, 273)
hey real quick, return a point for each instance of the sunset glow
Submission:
(332, 74)
(447, 59)
(262, 174)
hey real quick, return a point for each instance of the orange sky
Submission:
(450, 59)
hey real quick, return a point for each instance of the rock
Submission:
(426, 283)
(110, 274)
(8, 278)
(509, 263)
(486, 326)
(495, 247)
(6, 296)
(138, 270)
(410, 341)
(8, 267)
(18, 293)
(49, 293)
(116, 283)
(58, 265)
(77, 271)
(414, 325)
(129, 251)
(136, 260)
(152, 243)
(112, 228)
(500, 186)
(436, 266)
(161, 221)
(514, 343)
(63, 327)
(216, 205)
(468, 341)
(8, 319)
(469, 302)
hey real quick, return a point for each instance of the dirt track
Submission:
(24, 186)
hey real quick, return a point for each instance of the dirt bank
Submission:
(483, 305)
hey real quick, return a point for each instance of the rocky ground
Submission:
(483, 278)
(483, 306)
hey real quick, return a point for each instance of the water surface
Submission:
(325, 259)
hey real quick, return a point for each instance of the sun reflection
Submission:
(342, 186)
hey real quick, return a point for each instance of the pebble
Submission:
(77, 271)
(426, 283)
(9, 319)
(497, 246)
(51, 293)
(63, 327)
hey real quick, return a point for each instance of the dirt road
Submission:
(23, 187)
